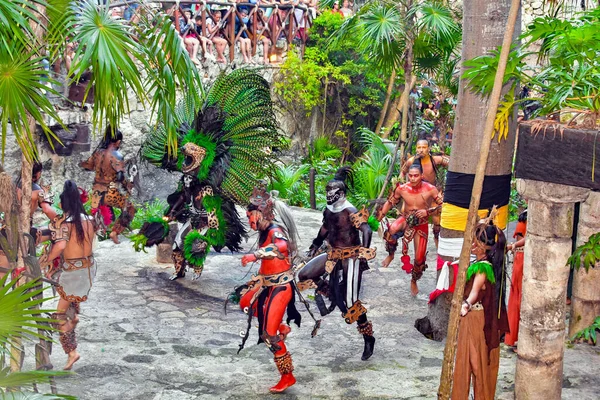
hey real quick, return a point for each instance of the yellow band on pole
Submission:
(455, 218)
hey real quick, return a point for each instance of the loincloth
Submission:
(75, 278)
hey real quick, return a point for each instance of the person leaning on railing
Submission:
(205, 41)
(216, 33)
(190, 36)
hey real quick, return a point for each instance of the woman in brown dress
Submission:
(483, 317)
(71, 255)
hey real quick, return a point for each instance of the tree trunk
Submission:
(480, 172)
(391, 116)
(484, 23)
(548, 245)
(394, 113)
(585, 301)
(386, 103)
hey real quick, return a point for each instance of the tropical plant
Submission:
(406, 36)
(20, 320)
(370, 170)
(147, 211)
(322, 149)
(569, 82)
(148, 60)
(587, 256)
(589, 333)
(287, 178)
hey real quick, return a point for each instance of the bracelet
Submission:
(469, 305)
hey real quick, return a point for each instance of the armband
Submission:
(392, 199)
(59, 230)
(359, 217)
(45, 196)
(269, 252)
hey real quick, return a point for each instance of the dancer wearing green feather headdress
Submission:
(222, 152)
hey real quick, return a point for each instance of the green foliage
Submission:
(589, 333)
(287, 179)
(371, 169)
(586, 255)
(303, 81)
(322, 149)
(147, 211)
(23, 83)
(516, 204)
(569, 81)
(373, 223)
(333, 72)
(20, 319)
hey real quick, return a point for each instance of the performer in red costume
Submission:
(431, 165)
(271, 293)
(421, 199)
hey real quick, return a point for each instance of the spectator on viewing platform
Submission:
(241, 34)
(217, 35)
(205, 42)
(264, 38)
(187, 29)
(347, 9)
(116, 13)
(336, 8)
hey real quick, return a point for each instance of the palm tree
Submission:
(147, 60)
(404, 37)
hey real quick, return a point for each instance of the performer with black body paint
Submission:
(348, 234)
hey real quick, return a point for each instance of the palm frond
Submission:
(23, 83)
(437, 20)
(108, 50)
(26, 379)
(382, 33)
(16, 20)
(168, 66)
(60, 27)
(17, 318)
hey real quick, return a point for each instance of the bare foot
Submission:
(414, 289)
(568, 301)
(115, 237)
(388, 260)
(73, 358)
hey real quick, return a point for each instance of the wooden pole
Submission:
(450, 350)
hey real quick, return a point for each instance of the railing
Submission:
(281, 23)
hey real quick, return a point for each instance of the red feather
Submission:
(83, 195)
(105, 212)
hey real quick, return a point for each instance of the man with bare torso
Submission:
(72, 235)
(421, 199)
(109, 165)
(430, 164)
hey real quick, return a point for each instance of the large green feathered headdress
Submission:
(230, 142)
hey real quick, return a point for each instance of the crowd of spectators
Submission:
(211, 40)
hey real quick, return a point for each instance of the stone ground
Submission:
(142, 336)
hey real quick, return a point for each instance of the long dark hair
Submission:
(73, 208)
(109, 137)
(495, 241)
